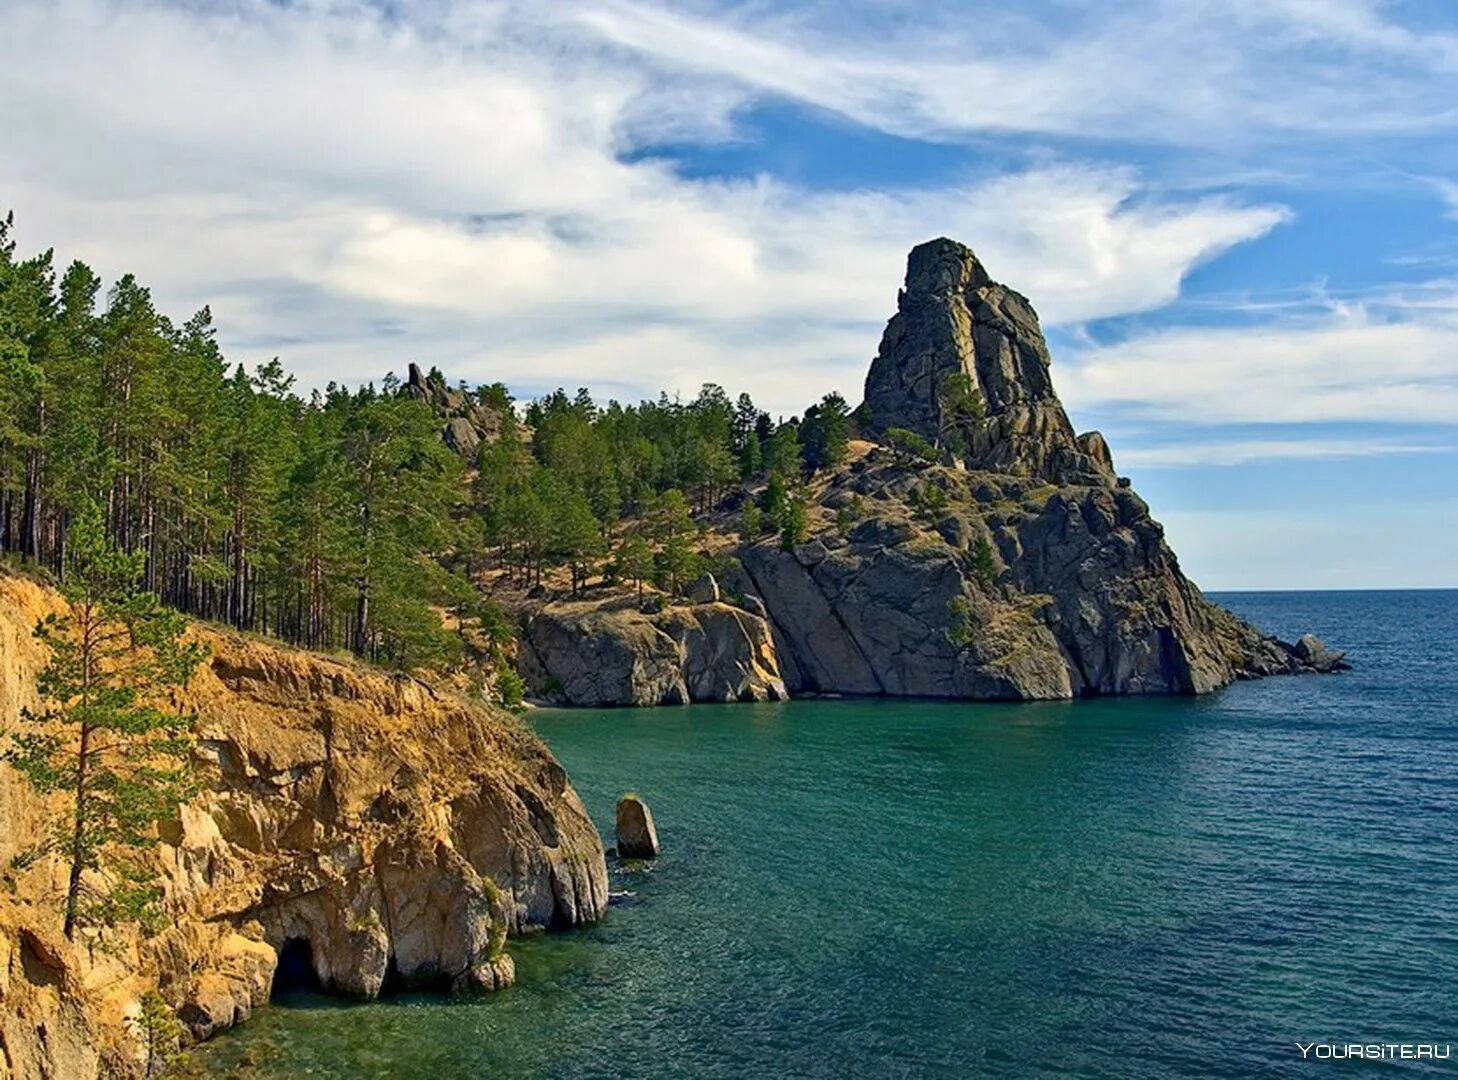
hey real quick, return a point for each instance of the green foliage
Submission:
(961, 409)
(825, 433)
(510, 687)
(793, 522)
(908, 445)
(959, 621)
(101, 738)
(786, 456)
(929, 501)
(751, 522)
(984, 563)
(634, 561)
(323, 521)
(162, 1035)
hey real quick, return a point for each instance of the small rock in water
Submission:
(1312, 651)
(637, 838)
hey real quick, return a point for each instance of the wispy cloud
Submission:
(1193, 73)
(1355, 363)
(369, 190)
(1244, 451)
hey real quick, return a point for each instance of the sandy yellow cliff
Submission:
(377, 828)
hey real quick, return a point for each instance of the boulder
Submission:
(637, 838)
(704, 590)
(1311, 651)
(614, 653)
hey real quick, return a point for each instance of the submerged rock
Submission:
(637, 838)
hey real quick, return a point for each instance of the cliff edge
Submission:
(370, 827)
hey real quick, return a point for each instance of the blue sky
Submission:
(1238, 219)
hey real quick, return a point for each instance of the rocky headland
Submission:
(372, 828)
(973, 546)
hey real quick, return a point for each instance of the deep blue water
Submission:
(1156, 887)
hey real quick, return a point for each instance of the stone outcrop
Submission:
(376, 827)
(636, 835)
(466, 422)
(612, 653)
(1085, 597)
(1020, 567)
(953, 319)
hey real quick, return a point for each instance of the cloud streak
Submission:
(358, 191)
(1195, 73)
(1354, 364)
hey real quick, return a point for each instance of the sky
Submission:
(1238, 220)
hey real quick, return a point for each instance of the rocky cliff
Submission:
(373, 827)
(1015, 566)
(613, 653)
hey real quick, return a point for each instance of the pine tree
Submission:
(103, 738)
(634, 561)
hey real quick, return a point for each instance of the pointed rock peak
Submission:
(943, 265)
(964, 365)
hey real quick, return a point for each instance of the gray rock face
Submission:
(876, 618)
(611, 653)
(705, 590)
(637, 837)
(466, 423)
(1074, 592)
(953, 319)
(1089, 600)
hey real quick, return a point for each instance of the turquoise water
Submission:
(903, 888)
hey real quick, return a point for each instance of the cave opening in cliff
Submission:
(295, 972)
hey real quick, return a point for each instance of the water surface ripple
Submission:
(1126, 887)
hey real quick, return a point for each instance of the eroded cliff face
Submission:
(373, 825)
(1077, 592)
(609, 652)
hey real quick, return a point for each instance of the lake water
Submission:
(1156, 887)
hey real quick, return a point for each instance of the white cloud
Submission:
(1354, 364)
(1199, 72)
(1244, 451)
(354, 192)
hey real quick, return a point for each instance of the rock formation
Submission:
(1023, 569)
(637, 838)
(953, 319)
(467, 423)
(612, 653)
(371, 825)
